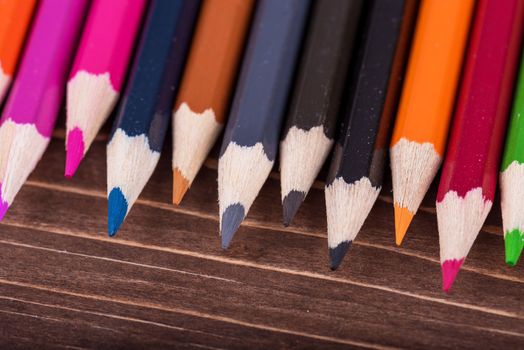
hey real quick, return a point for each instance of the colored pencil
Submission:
(251, 137)
(143, 115)
(29, 116)
(316, 98)
(15, 19)
(469, 175)
(99, 72)
(207, 86)
(357, 168)
(512, 177)
(428, 96)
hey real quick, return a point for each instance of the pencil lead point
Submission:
(116, 210)
(180, 186)
(231, 220)
(450, 268)
(403, 218)
(74, 151)
(3, 206)
(290, 205)
(514, 243)
(337, 254)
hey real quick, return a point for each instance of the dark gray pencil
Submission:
(355, 176)
(316, 98)
(252, 132)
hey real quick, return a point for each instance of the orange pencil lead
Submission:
(403, 219)
(180, 186)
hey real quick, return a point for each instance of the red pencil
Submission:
(470, 172)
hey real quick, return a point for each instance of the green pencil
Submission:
(512, 177)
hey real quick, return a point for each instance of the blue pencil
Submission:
(252, 132)
(143, 115)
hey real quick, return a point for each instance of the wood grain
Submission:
(164, 281)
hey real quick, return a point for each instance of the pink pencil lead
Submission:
(74, 151)
(3, 205)
(450, 269)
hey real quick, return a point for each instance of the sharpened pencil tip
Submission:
(3, 206)
(450, 268)
(74, 151)
(116, 211)
(231, 220)
(180, 186)
(290, 205)
(403, 219)
(514, 243)
(337, 254)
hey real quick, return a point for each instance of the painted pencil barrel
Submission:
(266, 74)
(108, 39)
(15, 18)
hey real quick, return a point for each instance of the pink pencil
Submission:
(31, 110)
(470, 172)
(98, 72)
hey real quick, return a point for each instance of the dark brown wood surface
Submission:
(164, 281)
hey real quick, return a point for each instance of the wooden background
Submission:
(164, 281)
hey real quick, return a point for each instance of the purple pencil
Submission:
(31, 110)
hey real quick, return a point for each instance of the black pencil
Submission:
(312, 118)
(355, 176)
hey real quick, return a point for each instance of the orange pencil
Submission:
(15, 17)
(207, 85)
(428, 95)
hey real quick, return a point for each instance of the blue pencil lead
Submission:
(116, 211)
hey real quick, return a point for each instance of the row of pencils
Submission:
(294, 76)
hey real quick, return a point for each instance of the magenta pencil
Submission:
(29, 116)
(469, 176)
(98, 72)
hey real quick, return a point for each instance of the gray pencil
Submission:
(252, 132)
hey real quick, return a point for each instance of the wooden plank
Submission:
(107, 324)
(343, 313)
